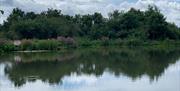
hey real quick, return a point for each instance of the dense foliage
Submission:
(133, 24)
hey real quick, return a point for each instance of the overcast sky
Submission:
(170, 8)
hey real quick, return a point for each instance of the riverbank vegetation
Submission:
(55, 45)
(52, 30)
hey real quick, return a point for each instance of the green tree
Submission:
(156, 24)
(30, 15)
(133, 24)
(16, 15)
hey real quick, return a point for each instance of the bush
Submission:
(134, 42)
(27, 45)
(6, 46)
(68, 42)
(50, 44)
(84, 42)
(105, 41)
(47, 44)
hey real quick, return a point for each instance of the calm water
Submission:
(100, 69)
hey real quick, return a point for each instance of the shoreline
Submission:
(55, 45)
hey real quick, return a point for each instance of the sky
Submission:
(170, 8)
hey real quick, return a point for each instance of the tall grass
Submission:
(40, 45)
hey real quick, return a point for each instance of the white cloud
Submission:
(170, 8)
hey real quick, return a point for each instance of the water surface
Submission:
(92, 69)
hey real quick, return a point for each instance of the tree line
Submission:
(133, 24)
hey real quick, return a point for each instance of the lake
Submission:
(92, 69)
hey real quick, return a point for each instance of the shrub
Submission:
(69, 41)
(50, 44)
(134, 42)
(27, 45)
(47, 44)
(6, 46)
(105, 41)
(84, 42)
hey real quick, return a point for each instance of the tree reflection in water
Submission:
(52, 67)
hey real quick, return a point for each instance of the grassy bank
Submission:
(55, 44)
